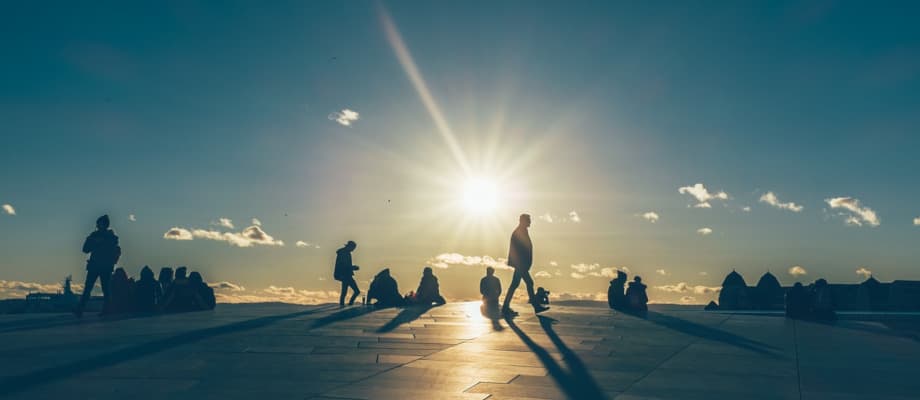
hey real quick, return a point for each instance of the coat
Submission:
(520, 251)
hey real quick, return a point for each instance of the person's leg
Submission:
(344, 289)
(354, 288)
(515, 281)
(104, 278)
(528, 282)
(87, 290)
(440, 300)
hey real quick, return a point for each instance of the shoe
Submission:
(509, 312)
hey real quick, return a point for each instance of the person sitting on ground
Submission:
(541, 297)
(165, 279)
(147, 292)
(121, 289)
(190, 294)
(490, 287)
(429, 290)
(615, 297)
(636, 298)
(797, 302)
(204, 295)
(822, 306)
(385, 290)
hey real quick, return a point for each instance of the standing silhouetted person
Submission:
(615, 297)
(102, 247)
(490, 287)
(636, 298)
(520, 257)
(385, 290)
(147, 292)
(429, 291)
(345, 272)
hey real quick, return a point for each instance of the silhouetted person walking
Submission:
(615, 297)
(636, 297)
(520, 257)
(429, 291)
(345, 271)
(385, 290)
(102, 247)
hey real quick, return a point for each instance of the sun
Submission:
(480, 196)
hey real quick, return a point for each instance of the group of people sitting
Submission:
(635, 298)
(385, 291)
(170, 292)
(812, 302)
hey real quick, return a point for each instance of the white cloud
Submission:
(553, 264)
(302, 244)
(345, 117)
(445, 260)
(683, 287)
(132, 218)
(864, 272)
(565, 296)
(256, 222)
(228, 286)
(558, 272)
(548, 218)
(797, 271)
(583, 268)
(703, 273)
(543, 274)
(576, 275)
(650, 216)
(746, 208)
(8, 209)
(176, 233)
(860, 214)
(19, 289)
(661, 272)
(278, 294)
(224, 222)
(771, 199)
(702, 195)
(917, 221)
(704, 231)
(573, 216)
(688, 300)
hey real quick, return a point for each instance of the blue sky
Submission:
(184, 113)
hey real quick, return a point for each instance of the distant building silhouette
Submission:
(870, 295)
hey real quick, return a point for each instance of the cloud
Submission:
(650, 216)
(864, 272)
(8, 209)
(224, 222)
(585, 270)
(917, 221)
(683, 287)
(543, 274)
(860, 214)
(771, 199)
(585, 267)
(746, 208)
(277, 294)
(302, 244)
(704, 231)
(256, 222)
(132, 218)
(688, 299)
(445, 260)
(19, 289)
(228, 286)
(573, 216)
(797, 271)
(176, 233)
(702, 195)
(576, 275)
(661, 272)
(548, 218)
(565, 296)
(703, 273)
(345, 117)
(553, 264)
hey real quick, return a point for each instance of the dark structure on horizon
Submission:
(870, 295)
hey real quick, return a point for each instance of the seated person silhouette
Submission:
(822, 302)
(541, 297)
(147, 293)
(490, 287)
(797, 302)
(165, 279)
(616, 298)
(121, 290)
(188, 294)
(429, 290)
(385, 290)
(636, 297)
(204, 294)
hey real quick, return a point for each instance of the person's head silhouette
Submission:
(195, 278)
(351, 245)
(180, 272)
(166, 274)
(524, 220)
(427, 271)
(146, 273)
(638, 279)
(102, 223)
(490, 271)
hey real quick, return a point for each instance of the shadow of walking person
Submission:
(575, 381)
(405, 316)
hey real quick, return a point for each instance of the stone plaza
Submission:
(281, 351)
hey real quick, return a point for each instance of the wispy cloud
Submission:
(19, 289)
(132, 218)
(8, 209)
(553, 264)
(650, 216)
(251, 236)
(797, 271)
(228, 286)
(859, 214)
(256, 222)
(704, 231)
(445, 260)
(573, 216)
(224, 222)
(864, 272)
(585, 270)
(543, 274)
(566, 296)
(550, 218)
(284, 294)
(917, 221)
(702, 195)
(176, 233)
(661, 272)
(771, 199)
(547, 217)
(746, 208)
(688, 300)
(302, 244)
(345, 117)
(683, 287)
(577, 275)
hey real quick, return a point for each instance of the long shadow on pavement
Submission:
(19, 383)
(705, 332)
(577, 382)
(405, 316)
